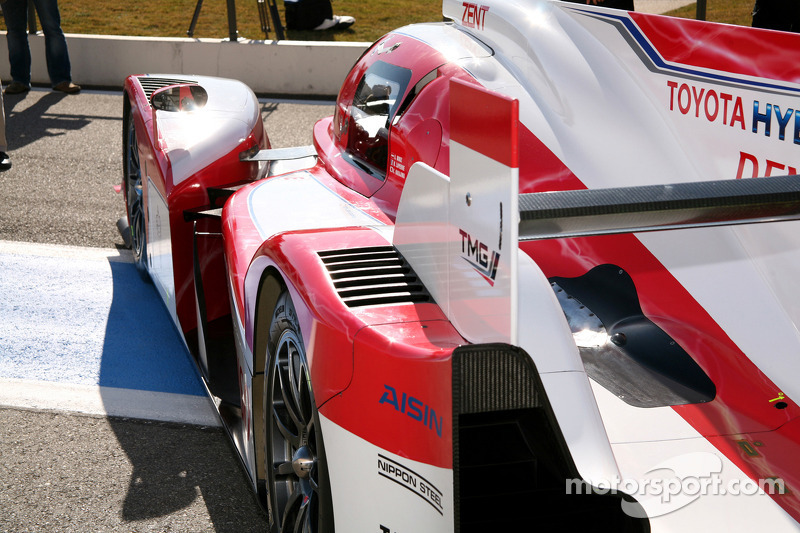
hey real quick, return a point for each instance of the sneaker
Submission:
(67, 87)
(16, 87)
(5, 161)
(338, 22)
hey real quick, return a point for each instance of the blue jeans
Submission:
(15, 13)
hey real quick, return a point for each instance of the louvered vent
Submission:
(151, 84)
(373, 276)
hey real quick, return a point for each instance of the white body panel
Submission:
(323, 208)
(760, 269)
(195, 139)
(483, 212)
(432, 210)
(372, 487)
(159, 248)
(702, 489)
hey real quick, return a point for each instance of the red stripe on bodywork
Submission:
(742, 406)
(748, 51)
(399, 399)
(765, 456)
(484, 121)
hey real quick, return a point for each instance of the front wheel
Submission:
(132, 187)
(297, 480)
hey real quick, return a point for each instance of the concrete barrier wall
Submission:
(296, 68)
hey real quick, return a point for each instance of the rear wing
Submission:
(461, 233)
(658, 207)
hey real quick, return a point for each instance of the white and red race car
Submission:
(524, 278)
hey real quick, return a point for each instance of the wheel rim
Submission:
(133, 191)
(294, 481)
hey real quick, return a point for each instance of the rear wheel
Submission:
(134, 201)
(297, 480)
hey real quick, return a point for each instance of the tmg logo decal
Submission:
(479, 256)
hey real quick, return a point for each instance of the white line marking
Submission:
(63, 251)
(108, 401)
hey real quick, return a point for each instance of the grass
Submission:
(728, 11)
(171, 18)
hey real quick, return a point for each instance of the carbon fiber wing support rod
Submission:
(590, 212)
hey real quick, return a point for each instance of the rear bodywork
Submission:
(540, 248)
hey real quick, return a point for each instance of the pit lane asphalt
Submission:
(61, 471)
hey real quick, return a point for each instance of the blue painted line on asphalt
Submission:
(88, 322)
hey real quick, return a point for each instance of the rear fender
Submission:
(325, 321)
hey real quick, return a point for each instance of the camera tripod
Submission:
(267, 9)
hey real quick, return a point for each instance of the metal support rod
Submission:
(262, 17)
(233, 33)
(701, 10)
(196, 15)
(276, 20)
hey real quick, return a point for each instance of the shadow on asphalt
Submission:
(173, 464)
(34, 122)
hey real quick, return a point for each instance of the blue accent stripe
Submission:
(656, 59)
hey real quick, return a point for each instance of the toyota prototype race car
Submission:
(538, 271)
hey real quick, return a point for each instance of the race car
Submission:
(537, 272)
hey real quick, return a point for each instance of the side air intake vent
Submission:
(151, 84)
(373, 276)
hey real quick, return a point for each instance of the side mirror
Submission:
(182, 97)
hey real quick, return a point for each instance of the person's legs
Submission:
(618, 4)
(15, 13)
(56, 53)
(307, 14)
(5, 161)
(794, 17)
(3, 140)
(775, 14)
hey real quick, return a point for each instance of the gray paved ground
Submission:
(65, 153)
(67, 472)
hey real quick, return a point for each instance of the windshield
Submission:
(377, 98)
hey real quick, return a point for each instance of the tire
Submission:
(132, 188)
(297, 479)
